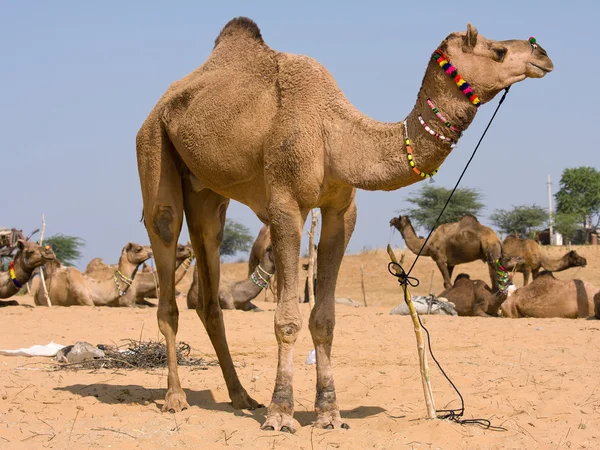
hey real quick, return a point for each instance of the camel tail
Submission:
(237, 26)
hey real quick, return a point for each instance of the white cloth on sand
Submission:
(35, 350)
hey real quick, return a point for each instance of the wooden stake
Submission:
(424, 366)
(311, 258)
(362, 284)
(46, 296)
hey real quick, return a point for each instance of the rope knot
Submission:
(403, 278)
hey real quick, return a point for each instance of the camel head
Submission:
(136, 253)
(184, 252)
(267, 262)
(510, 262)
(490, 66)
(575, 260)
(33, 255)
(401, 222)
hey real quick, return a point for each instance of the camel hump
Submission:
(469, 218)
(237, 26)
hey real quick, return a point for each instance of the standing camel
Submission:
(273, 131)
(534, 258)
(29, 256)
(455, 243)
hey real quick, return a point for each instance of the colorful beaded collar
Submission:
(411, 159)
(13, 276)
(444, 61)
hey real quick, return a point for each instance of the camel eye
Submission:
(499, 53)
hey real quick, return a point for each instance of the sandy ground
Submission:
(538, 378)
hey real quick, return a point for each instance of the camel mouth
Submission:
(544, 70)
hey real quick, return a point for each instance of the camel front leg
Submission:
(336, 229)
(526, 275)
(205, 214)
(286, 233)
(443, 266)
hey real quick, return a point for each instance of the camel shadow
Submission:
(134, 394)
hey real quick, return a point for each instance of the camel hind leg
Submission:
(163, 215)
(205, 215)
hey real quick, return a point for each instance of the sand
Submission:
(539, 378)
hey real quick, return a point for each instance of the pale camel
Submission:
(273, 131)
(144, 283)
(238, 294)
(67, 286)
(262, 241)
(547, 297)
(534, 258)
(474, 297)
(29, 256)
(455, 243)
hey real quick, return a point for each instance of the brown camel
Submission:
(455, 243)
(262, 241)
(474, 297)
(547, 297)
(67, 286)
(273, 131)
(597, 305)
(238, 294)
(29, 256)
(144, 283)
(534, 258)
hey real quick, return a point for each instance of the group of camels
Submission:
(273, 131)
(468, 240)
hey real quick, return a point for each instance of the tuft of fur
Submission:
(237, 25)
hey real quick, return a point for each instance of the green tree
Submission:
(431, 199)
(579, 194)
(66, 248)
(236, 238)
(567, 225)
(522, 220)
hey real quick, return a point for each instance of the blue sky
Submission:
(79, 78)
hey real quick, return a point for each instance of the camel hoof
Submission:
(330, 421)
(280, 422)
(175, 402)
(288, 430)
(269, 428)
(345, 426)
(244, 401)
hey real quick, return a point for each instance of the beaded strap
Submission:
(411, 159)
(126, 280)
(441, 137)
(442, 118)
(504, 280)
(13, 275)
(444, 62)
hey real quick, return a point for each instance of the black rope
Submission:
(406, 280)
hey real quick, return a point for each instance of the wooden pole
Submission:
(311, 258)
(46, 296)
(424, 366)
(362, 284)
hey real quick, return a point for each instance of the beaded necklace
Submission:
(258, 279)
(411, 159)
(442, 118)
(13, 276)
(441, 137)
(444, 62)
(126, 280)
(504, 280)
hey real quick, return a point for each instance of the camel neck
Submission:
(379, 153)
(554, 264)
(413, 242)
(127, 268)
(22, 275)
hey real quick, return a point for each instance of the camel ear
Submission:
(129, 246)
(470, 39)
(21, 244)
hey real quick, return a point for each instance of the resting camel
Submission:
(67, 286)
(262, 241)
(455, 243)
(29, 256)
(238, 294)
(474, 297)
(273, 131)
(534, 258)
(548, 297)
(144, 283)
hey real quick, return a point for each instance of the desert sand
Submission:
(538, 378)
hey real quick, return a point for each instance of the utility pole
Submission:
(550, 219)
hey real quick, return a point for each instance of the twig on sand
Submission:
(113, 431)
(79, 408)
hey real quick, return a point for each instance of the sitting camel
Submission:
(263, 240)
(547, 297)
(455, 243)
(534, 258)
(67, 286)
(29, 256)
(237, 294)
(474, 297)
(144, 283)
